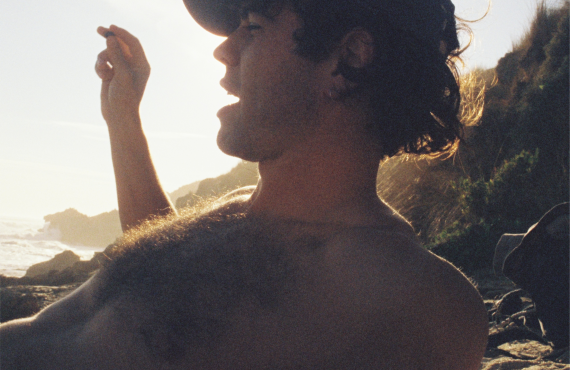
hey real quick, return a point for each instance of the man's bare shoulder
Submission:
(423, 304)
(229, 290)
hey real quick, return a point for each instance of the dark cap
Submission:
(425, 19)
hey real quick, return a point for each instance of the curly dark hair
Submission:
(412, 84)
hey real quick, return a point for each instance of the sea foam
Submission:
(24, 242)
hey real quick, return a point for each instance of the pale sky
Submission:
(54, 150)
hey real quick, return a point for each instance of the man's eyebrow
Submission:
(247, 10)
(244, 13)
(264, 10)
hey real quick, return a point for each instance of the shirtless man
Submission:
(311, 270)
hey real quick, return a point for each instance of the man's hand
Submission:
(124, 69)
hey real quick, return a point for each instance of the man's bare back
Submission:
(228, 290)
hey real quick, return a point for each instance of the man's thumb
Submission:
(115, 54)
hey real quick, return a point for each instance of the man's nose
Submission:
(228, 52)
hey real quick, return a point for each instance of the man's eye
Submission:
(253, 26)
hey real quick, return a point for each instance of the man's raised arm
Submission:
(124, 72)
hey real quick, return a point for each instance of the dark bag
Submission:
(539, 265)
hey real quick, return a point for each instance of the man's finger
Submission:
(106, 33)
(102, 30)
(102, 67)
(131, 41)
(115, 53)
(125, 49)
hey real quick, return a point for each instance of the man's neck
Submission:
(332, 179)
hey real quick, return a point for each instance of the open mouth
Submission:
(231, 108)
(232, 98)
(233, 95)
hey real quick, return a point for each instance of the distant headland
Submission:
(103, 229)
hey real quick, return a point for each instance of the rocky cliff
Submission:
(77, 228)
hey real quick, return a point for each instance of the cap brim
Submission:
(220, 17)
(424, 19)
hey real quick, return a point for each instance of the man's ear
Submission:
(357, 48)
(356, 51)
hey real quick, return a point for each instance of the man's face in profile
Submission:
(278, 89)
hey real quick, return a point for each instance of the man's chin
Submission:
(232, 146)
(227, 139)
(242, 148)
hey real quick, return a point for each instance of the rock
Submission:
(23, 301)
(16, 305)
(26, 296)
(527, 349)
(505, 363)
(491, 286)
(59, 262)
(77, 228)
(183, 191)
(78, 272)
(243, 174)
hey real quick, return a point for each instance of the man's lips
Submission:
(230, 88)
(228, 110)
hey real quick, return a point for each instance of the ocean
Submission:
(24, 242)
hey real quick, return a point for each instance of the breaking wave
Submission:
(24, 242)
